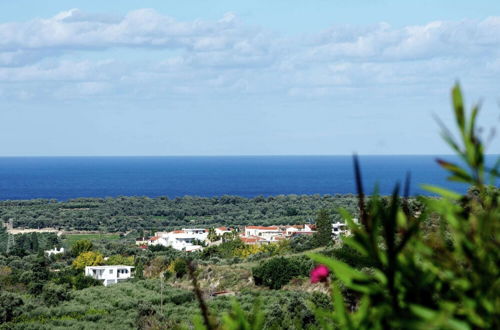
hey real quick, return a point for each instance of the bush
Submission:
(277, 272)
(10, 306)
(179, 267)
(53, 294)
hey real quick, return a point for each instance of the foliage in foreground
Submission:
(448, 279)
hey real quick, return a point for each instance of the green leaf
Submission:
(434, 317)
(458, 106)
(340, 311)
(344, 272)
(442, 191)
(459, 174)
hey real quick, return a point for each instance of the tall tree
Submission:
(323, 235)
(34, 242)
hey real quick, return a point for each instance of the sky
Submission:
(102, 78)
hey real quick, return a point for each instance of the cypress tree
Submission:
(323, 235)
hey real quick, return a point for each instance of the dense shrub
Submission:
(53, 294)
(278, 271)
(9, 306)
(350, 256)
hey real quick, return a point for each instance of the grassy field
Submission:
(70, 239)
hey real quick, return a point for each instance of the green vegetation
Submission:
(410, 263)
(147, 215)
(277, 272)
(323, 236)
(447, 279)
(71, 239)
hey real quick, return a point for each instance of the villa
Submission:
(183, 240)
(262, 231)
(109, 274)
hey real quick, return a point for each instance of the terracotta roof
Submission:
(154, 238)
(251, 239)
(222, 228)
(178, 231)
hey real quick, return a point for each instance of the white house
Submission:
(109, 274)
(299, 230)
(340, 228)
(183, 240)
(262, 231)
(141, 241)
(290, 230)
(222, 230)
(54, 251)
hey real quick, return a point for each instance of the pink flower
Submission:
(319, 274)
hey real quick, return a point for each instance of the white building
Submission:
(54, 251)
(340, 228)
(262, 231)
(299, 230)
(222, 230)
(183, 240)
(109, 274)
(141, 241)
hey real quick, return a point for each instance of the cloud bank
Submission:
(147, 54)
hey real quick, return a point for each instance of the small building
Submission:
(54, 251)
(141, 241)
(154, 240)
(222, 230)
(182, 240)
(262, 231)
(110, 274)
(339, 228)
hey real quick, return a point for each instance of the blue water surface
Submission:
(64, 178)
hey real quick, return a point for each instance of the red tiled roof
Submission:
(178, 231)
(154, 238)
(222, 228)
(250, 239)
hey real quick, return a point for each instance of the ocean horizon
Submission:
(64, 178)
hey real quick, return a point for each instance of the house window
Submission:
(111, 271)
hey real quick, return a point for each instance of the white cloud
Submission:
(74, 51)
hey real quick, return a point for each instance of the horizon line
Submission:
(225, 155)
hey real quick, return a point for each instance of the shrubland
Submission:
(410, 263)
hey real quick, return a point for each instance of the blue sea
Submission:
(65, 178)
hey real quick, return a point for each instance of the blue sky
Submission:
(241, 78)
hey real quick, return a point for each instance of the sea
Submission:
(65, 178)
